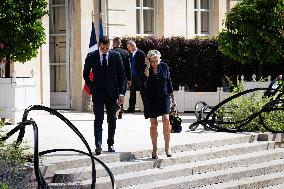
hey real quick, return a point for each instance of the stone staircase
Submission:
(232, 163)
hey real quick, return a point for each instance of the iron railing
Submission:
(207, 116)
(39, 176)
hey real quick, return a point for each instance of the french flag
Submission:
(92, 47)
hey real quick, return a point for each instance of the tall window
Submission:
(145, 17)
(202, 16)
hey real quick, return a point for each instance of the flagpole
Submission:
(100, 6)
(93, 17)
(101, 26)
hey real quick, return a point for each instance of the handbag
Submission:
(175, 120)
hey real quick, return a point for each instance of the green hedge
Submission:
(198, 64)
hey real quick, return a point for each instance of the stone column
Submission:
(219, 9)
(81, 29)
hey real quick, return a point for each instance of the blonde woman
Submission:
(159, 95)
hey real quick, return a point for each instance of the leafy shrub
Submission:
(15, 171)
(240, 108)
(198, 64)
(3, 185)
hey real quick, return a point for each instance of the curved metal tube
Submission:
(214, 124)
(40, 179)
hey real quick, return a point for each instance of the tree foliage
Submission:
(254, 31)
(21, 30)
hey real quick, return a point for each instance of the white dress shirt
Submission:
(101, 57)
(134, 52)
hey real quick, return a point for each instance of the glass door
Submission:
(59, 49)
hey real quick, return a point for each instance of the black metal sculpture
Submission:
(39, 177)
(207, 116)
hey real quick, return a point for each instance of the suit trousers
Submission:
(101, 98)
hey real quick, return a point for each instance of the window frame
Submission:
(141, 9)
(198, 10)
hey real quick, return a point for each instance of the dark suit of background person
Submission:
(137, 62)
(126, 63)
(108, 83)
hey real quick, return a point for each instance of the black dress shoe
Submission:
(129, 111)
(169, 155)
(98, 151)
(119, 115)
(111, 149)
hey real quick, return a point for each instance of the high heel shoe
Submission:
(154, 156)
(169, 155)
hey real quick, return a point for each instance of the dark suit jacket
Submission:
(126, 63)
(113, 80)
(140, 62)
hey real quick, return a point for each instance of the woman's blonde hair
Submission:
(154, 53)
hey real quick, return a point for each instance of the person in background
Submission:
(106, 88)
(126, 63)
(159, 95)
(137, 60)
(273, 85)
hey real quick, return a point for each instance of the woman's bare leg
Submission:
(167, 133)
(154, 135)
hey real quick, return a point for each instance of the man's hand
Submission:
(128, 84)
(120, 100)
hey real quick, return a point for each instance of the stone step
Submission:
(214, 177)
(267, 181)
(84, 173)
(150, 175)
(52, 163)
(193, 168)
(200, 145)
(280, 186)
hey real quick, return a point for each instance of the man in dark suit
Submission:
(106, 87)
(126, 63)
(137, 61)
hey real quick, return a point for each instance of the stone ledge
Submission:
(277, 137)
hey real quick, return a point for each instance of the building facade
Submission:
(60, 61)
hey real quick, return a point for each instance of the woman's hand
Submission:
(146, 71)
(173, 100)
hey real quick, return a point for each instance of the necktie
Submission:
(104, 62)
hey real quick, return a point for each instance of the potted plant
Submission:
(21, 35)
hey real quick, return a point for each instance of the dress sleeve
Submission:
(169, 81)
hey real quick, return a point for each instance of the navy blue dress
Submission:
(158, 89)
